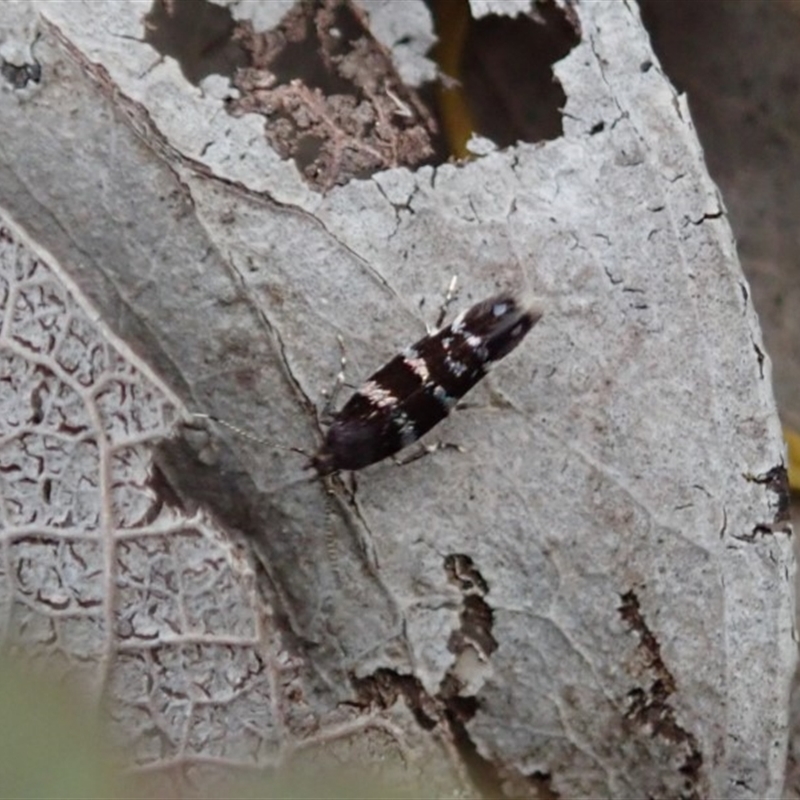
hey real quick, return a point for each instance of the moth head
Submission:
(323, 461)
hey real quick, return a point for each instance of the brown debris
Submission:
(331, 95)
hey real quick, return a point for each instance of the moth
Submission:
(419, 387)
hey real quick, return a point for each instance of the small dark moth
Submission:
(419, 387)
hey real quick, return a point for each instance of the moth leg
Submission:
(449, 296)
(352, 487)
(346, 481)
(348, 514)
(331, 395)
(423, 450)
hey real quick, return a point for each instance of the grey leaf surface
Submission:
(594, 599)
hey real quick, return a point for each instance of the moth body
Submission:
(419, 387)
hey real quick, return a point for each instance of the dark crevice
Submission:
(18, 76)
(761, 358)
(474, 633)
(384, 687)
(482, 772)
(542, 783)
(777, 481)
(198, 35)
(477, 617)
(508, 103)
(649, 707)
(330, 95)
(306, 57)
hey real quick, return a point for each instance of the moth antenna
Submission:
(247, 435)
(292, 482)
